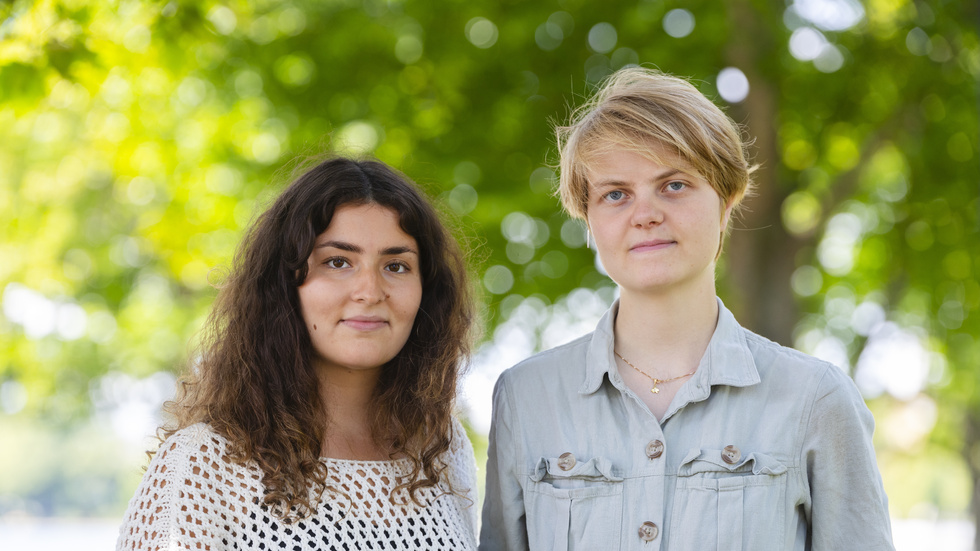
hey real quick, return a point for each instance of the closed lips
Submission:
(656, 243)
(364, 322)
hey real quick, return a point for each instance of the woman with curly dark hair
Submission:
(319, 414)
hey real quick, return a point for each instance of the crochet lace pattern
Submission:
(194, 497)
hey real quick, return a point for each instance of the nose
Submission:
(369, 288)
(646, 212)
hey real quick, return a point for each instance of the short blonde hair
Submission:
(641, 110)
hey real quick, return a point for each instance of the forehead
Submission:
(616, 160)
(365, 221)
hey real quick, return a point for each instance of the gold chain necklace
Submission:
(655, 380)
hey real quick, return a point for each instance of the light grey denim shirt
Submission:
(764, 448)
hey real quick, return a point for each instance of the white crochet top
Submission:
(193, 497)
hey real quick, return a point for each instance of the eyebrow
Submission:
(352, 248)
(661, 176)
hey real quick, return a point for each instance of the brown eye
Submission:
(337, 263)
(398, 268)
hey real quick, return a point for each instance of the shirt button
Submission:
(731, 455)
(655, 449)
(648, 531)
(566, 461)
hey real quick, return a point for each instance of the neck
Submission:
(347, 401)
(666, 333)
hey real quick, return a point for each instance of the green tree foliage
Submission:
(138, 138)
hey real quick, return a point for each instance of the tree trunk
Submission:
(761, 255)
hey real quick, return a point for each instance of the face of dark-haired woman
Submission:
(363, 289)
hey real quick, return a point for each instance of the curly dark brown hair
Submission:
(255, 383)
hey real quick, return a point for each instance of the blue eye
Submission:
(676, 186)
(614, 195)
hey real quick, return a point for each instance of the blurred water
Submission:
(52, 534)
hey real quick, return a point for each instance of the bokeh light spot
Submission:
(806, 43)
(919, 235)
(463, 199)
(542, 180)
(623, 57)
(498, 279)
(548, 36)
(357, 137)
(408, 49)
(223, 19)
(801, 212)
(573, 234)
(518, 226)
(894, 361)
(830, 15)
(137, 39)
(192, 91)
(830, 59)
(519, 253)
(602, 37)
(836, 250)
(917, 42)
(554, 264)
(291, 21)
(266, 148)
(481, 32)
(13, 397)
(957, 264)
(799, 155)
(733, 86)
(806, 281)
(248, 83)
(843, 152)
(140, 190)
(678, 23)
(294, 70)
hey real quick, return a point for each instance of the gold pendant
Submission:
(655, 390)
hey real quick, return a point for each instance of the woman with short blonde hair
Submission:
(670, 426)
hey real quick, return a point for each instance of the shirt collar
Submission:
(727, 360)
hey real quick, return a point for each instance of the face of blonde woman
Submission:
(657, 227)
(363, 290)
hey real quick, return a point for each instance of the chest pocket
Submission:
(577, 508)
(728, 506)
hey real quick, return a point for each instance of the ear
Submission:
(726, 213)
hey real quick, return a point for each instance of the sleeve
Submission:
(174, 505)
(463, 475)
(151, 521)
(504, 519)
(847, 508)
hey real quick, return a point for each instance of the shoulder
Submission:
(819, 378)
(546, 364)
(196, 439)
(197, 451)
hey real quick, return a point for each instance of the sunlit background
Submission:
(138, 138)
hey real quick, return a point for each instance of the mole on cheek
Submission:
(314, 327)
